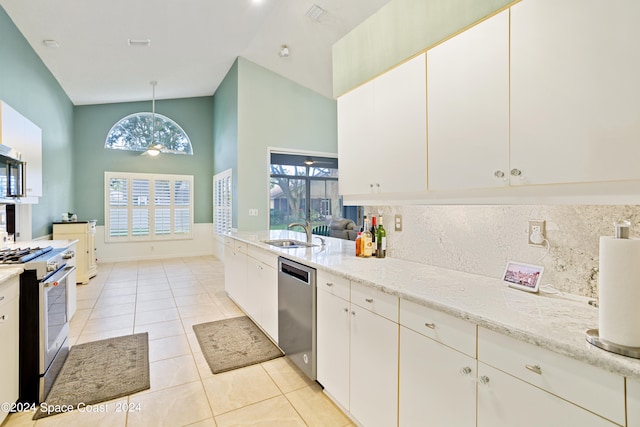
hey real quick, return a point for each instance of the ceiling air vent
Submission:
(315, 12)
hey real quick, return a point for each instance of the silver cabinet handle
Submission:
(353, 312)
(3, 318)
(516, 172)
(329, 284)
(484, 380)
(430, 325)
(498, 174)
(346, 310)
(466, 371)
(534, 368)
(1, 297)
(369, 300)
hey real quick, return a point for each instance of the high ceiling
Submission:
(193, 43)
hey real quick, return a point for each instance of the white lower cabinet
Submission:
(9, 292)
(437, 383)
(504, 400)
(633, 403)
(333, 320)
(235, 271)
(525, 385)
(262, 294)
(373, 369)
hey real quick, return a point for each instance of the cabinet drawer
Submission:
(263, 256)
(235, 245)
(444, 328)
(9, 290)
(386, 305)
(335, 285)
(592, 388)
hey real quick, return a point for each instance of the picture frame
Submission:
(525, 277)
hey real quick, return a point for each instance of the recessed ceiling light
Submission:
(50, 43)
(139, 42)
(315, 12)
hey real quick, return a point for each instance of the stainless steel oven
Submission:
(44, 326)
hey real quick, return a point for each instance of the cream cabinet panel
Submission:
(85, 233)
(235, 271)
(505, 401)
(468, 108)
(437, 383)
(382, 133)
(373, 369)
(262, 294)
(333, 343)
(575, 90)
(633, 403)
(9, 295)
(21, 134)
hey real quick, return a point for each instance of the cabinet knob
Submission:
(346, 310)
(430, 325)
(369, 300)
(516, 172)
(329, 284)
(498, 174)
(353, 313)
(3, 318)
(1, 297)
(484, 380)
(466, 371)
(534, 368)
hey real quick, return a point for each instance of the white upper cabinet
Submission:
(575, 90)
(21, 134)
(382, 133)
(468, 108)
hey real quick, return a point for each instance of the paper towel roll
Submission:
(619, 291)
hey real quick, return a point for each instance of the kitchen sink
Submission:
(289, 243)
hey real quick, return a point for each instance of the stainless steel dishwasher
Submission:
(297, 314)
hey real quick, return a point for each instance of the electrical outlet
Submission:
(253, 212)
(537, 233)
(398, 223)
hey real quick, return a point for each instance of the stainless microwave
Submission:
(12, 173)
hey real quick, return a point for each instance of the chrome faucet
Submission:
(306, 226)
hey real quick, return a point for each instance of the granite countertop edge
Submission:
(554, 322)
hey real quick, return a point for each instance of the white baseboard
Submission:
(202, 244)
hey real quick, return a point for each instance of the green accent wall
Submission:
(271, 111)
(91, 126)
(398, 31)
(28, 86)
(225, 131)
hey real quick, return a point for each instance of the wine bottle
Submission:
(374, 233)
(381, 240)
(367, 244)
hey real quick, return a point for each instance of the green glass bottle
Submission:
(381, 240)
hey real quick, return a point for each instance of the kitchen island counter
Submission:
(557, 322)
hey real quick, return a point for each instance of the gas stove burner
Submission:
(21, 255)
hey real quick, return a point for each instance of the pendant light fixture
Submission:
(153, 149)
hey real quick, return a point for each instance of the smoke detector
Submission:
(284, 51)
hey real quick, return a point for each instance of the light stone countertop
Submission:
(554, 322)
(8, 273)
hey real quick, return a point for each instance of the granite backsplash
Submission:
(481, 239)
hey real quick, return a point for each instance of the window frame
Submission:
(152, 206)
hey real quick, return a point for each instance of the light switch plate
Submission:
(398, 222)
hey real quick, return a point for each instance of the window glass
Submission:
(134, 133)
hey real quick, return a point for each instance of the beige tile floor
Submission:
(165, 298)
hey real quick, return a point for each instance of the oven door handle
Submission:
(59, 276)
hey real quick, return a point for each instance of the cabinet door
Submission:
(373, 369)
(468, 108)
(504, 400)
(633, 403)
(437, 383)
(332, 327)
(262, 295)
(575, 90)
(9, 354)
(235, 276)
(399, 147)
(382, 133)
(356, 132)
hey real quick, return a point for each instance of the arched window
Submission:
(133, 133)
